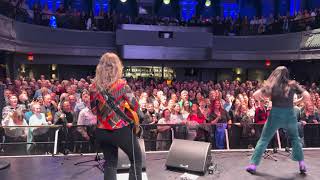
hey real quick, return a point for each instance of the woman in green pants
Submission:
(280, 89)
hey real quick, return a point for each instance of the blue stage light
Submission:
(53, 22)
(188, 9)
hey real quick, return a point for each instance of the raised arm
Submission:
(300, 90)
(261, 94)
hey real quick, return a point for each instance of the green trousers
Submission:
(279, 118)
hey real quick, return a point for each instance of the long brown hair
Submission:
(199, 113)
(213, 108)
(277, 83)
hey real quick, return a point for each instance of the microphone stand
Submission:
(97, 157)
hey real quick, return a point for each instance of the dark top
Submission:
(279, 100)
(223, 119)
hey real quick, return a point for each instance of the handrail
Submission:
(180, 124)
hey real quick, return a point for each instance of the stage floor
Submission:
(230, 165)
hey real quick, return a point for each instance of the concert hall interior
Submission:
(159, 89)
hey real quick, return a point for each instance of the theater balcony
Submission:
(151, 45)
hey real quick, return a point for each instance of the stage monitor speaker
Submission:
(124, 162)
(193, 156)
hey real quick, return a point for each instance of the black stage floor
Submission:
(230, 165)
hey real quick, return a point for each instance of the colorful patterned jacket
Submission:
(107, 118)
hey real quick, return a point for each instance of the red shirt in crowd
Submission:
(195, 117)
(261, 115)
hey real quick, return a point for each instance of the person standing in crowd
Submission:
(308, 118)
(38, 134)
(112, 131)
(228, 103)
(164, 136)
(176, 116)
(15, 134)
(149, 131)
(281, 91)
(48, 108)
(185, 110)
(86, 117)
(219, 118)
(193, 121)
(67, 118)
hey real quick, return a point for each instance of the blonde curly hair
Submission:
(108, 71)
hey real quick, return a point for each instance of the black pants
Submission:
(123, 138)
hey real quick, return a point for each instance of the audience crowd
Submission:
(201, 111)
(68, 17)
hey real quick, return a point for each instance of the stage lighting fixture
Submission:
(207, 3)
(166, 2)
(123, 1)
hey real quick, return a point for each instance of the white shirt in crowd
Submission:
(86, 117)
(14, 131)
(176, 118)
(38, 121)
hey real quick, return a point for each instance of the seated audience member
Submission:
(15, 134)
(219, 117)
(164, 136)
(38, 134)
